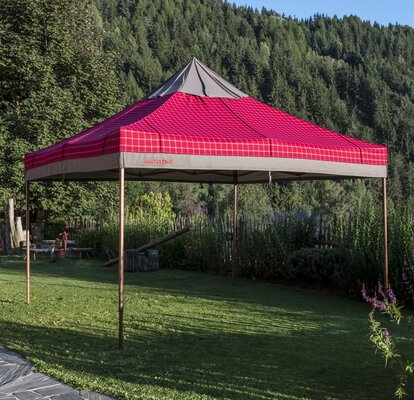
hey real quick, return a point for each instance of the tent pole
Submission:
(384, 209)
(234, 242)
(27, 244)
(121, 258)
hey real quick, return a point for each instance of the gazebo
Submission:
(197, 127)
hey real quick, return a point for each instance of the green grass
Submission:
(189, 335)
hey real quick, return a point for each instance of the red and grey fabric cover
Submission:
(198, 127)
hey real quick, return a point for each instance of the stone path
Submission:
(20, 381)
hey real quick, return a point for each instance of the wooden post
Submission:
(27, 244)
(19, 231)
(384, 208)
(234, 241)
(121, 258)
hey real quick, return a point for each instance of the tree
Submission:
(55, 82)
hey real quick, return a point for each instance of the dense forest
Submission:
(65, 65)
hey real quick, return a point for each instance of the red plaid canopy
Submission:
(198, 127)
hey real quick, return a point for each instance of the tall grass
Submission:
(348, 249)
(140, 228)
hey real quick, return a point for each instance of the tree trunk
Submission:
(3, 237)
(12, 226)
(7, 247)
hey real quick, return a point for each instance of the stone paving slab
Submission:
(27, 395)
(68, 396)
(20, 381)
(55, 390)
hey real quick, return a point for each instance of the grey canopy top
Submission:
(197, 79)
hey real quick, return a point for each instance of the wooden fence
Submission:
(326, 230)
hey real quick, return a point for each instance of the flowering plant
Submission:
(385, 301)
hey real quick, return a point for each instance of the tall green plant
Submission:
(273, 247)
(384, 342)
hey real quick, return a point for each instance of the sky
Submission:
(382, 11)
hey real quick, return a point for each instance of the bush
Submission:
(331, 266)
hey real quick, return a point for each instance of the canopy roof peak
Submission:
(197, 79)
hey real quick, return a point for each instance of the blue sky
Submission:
(382, 11)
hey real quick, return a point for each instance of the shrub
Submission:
(321, 265)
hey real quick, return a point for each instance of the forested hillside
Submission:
(345, 74)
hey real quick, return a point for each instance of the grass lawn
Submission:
(189, 335)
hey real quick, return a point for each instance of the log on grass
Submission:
(154, 243)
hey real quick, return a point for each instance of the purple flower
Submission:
(365, 295)
(380, 305)
(391, 296)
(376, 304)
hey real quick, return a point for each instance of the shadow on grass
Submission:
(215, 364)
(174, 282)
